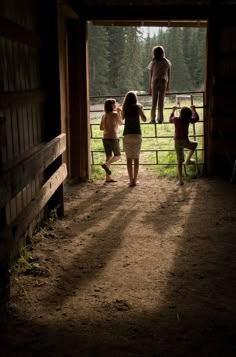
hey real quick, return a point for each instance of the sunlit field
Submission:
(157, 152)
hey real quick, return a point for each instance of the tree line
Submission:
(119, 58)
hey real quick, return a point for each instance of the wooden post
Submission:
(79, 165)
(53, 105)
(210, 87)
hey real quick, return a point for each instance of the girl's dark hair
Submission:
(108, 105)
(158, 53)
(129, 101)
(185, 113)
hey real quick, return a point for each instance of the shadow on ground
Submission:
(191, 313)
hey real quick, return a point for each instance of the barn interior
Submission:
(44, 100)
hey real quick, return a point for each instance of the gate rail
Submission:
(152, 156)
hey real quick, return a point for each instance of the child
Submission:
(110, 122)
(187, 115)
(131, 113)
(159, 81)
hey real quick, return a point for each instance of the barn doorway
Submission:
(122, 65)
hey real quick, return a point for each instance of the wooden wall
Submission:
(221, 91)
(21, 117)
(74, 93)
(31, 141)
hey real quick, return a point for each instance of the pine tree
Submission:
(119, 57)
(116, 45)
(180, 78)
(98, 60)
(200, 58)
(131, 71)
(147, 46)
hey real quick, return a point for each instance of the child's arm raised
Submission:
(120, 121)
(172, 115)
(195, 116)
(141, 112)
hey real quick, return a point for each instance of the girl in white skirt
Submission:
(132, 111)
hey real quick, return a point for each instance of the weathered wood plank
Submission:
(15, 32)
(21, 98)
(15, 231)
(34, 125)
(2, 141)
(8, 132)
(25, 128)
(16, 178)
(15, 132)
(21, 131)
(4, 65)
(26, 154)
(30, 125)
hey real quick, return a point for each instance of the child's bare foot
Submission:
(131, 184)
(110, 180)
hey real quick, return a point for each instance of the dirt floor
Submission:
(130, 271)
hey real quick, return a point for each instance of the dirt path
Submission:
(142, 271)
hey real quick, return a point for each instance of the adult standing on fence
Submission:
(159, 79)
(132, 111)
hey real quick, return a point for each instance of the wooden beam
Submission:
(15, 32)
(14, 233)
(151, 23)
(142, 12)
(68, 11)
(16, 178)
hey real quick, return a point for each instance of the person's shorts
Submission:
(132, 145)
(181, 144)
(111, 146)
